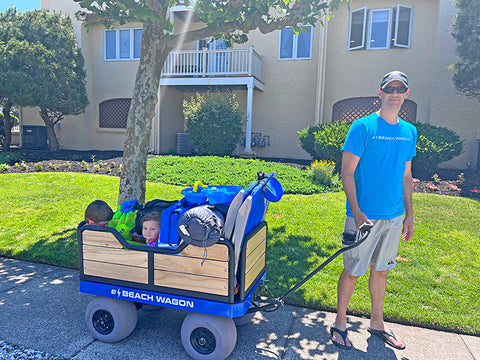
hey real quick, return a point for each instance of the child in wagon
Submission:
(98, 213)
(151, 228)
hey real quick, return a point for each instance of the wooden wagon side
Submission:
(105, 257)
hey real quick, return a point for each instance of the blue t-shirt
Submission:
(383, 150)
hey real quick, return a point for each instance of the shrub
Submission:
(307, 139)
(214, 122)
(325, 141)
(435, 145)
(9, 157)
(322, 173)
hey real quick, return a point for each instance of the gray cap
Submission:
(394, 76)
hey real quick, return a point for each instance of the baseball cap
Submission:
(394, 76)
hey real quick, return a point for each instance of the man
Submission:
(377, 178)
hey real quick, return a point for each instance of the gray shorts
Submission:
(378, 250)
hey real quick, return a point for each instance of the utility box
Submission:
(34, 137)
(183, 144)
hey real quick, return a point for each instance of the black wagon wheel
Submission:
(244, 319)
(110, 320)
(208, 336)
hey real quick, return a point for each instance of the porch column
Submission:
(248, 127)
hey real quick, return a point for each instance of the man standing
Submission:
(377, 178)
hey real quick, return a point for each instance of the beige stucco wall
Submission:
(449, 108)
(105, 80)
(171, 116)
(65, 7)
(290, 100)
(358, 73)
(287, 103)
(68, 129)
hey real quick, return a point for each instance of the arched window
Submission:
(352, 109)
(113, 113)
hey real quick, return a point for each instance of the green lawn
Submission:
(435, 284)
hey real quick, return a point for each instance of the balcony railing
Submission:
(229, 62)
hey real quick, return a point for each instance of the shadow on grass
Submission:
(58, 249)
(292, 258)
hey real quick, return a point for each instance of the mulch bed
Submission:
(445, 182)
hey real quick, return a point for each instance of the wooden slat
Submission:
(256, 254)
(205, 284)
(254, 271)
(115, 256)
(256, 239)
(100, 238)
(214, 252)
(115, 271)
(183, 264)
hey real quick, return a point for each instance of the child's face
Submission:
(151, 230)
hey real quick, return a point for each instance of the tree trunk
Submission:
(53, 144)
(7, 127)
(142, 111)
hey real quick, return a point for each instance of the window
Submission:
(113, 113)
(295, 46)
(123, 44)
(375, 29)
(379, 29)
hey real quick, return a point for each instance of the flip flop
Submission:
(381, 334)
(343, 334)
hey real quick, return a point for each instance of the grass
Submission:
(40, 212)
(435, 283)
(240, 172)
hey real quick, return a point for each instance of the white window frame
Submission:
(389, 28)
(397, 16)
(117, 44)
(392, 31)
(364, 9)
(295, 46)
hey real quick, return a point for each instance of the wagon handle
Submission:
(274, 304)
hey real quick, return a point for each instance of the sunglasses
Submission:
(391, 89)
(100, 223)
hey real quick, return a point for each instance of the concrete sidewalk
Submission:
(41, 308)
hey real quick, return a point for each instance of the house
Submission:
(284, 82)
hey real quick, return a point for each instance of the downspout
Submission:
(322, 65)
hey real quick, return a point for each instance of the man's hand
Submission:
(360, 219)
(408, 228)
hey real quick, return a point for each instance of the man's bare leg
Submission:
(377, 284)
(346, 285)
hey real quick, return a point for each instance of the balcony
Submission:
(213, 63)
(227, 67)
